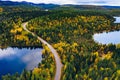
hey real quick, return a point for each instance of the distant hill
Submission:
(52, 6)
(112, 7)
(84, 6)
(10, 3)
(42, 5)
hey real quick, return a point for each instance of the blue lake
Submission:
(14, 60)
(110, 37)
(117, 20)
(107, 38)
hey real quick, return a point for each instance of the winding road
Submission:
(57, 57)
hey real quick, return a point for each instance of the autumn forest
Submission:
(70, 32)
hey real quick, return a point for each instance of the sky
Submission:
(80, 2)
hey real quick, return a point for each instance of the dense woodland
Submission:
(70, 33)
(11, 32)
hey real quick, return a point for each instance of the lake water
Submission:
(117, 20)
(14, 60)
(110, 37)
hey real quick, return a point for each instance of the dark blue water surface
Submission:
(110, 37)
(14, 60)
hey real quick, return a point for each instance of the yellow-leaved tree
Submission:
(1, 9)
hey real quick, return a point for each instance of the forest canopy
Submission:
(70, 33)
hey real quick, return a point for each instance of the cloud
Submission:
(83, 2)
(50, 1)
(27, 57)
(6, 52)
(100, 2)
(32, 59)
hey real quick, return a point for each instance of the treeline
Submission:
(19, 8)
(115, 12)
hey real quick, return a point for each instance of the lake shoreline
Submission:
(108, 37)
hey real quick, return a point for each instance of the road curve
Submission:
(57, 57)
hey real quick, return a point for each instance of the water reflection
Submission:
(107, 38)
(117, 20)
(110, 37)
(14, 60)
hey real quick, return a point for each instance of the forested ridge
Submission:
(71, 34)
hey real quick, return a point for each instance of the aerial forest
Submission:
(71, 34)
